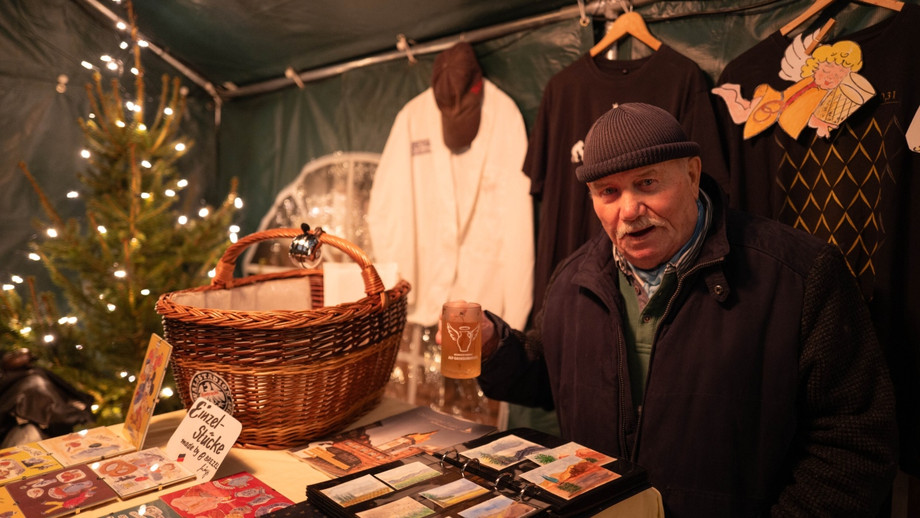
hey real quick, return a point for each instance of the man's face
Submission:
(649, 212)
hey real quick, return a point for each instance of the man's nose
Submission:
(631, 206)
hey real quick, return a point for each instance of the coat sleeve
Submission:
(516, 371)
(845, 456)
(391, 206)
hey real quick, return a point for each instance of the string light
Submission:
(180, 147)
(48, 338)
(238, 202)
(85, 153)
(183, 220)
(121, 274)
(167, 392)
(52, 232)
(8, 287)
(203, 212)
(169, 192)
(17, 279)
(182, 183)
(111, 307)
(73, 194)
(35, 257)
(101, 229)
(145, 292)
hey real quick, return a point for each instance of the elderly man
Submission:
(733, 357)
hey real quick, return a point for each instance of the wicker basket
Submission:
(289, 375)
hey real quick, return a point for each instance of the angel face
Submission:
(828, 75)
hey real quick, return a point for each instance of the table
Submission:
(290, 476)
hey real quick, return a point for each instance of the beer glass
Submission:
(461, 342)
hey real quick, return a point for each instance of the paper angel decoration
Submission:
(826, 90)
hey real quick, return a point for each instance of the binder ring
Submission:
(463, 469)
(444, 456)
(499, 478)
(524, 489)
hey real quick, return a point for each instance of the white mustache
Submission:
(634, 226)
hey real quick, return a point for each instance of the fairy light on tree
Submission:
(111, 264)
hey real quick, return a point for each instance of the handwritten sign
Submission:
(203, 439)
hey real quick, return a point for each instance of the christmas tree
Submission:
(134, 243)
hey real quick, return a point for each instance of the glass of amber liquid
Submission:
(461, 342)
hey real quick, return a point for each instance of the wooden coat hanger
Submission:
(819, 5)
(629, 23)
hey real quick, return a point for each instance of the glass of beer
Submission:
(461, 342)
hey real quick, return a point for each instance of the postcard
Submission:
(61, 492)
(504, 452)
(356, 491)
(407, 475)
(152, 509)
(418, 430)
(86, 446)
(24, 461)
(454, 492)
(569, 477)
(568, 450)
(241, 495)
(147, 391)
(499, 507)
(140, 471)
(405, 507)
(8, 507)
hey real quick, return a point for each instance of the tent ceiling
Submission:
(232, 43)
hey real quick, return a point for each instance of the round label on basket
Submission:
(213, 388)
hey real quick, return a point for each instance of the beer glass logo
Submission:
(463, 335)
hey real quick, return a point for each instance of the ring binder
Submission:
(523, 492)
(535, 475)
(498, 480)
(463, 469)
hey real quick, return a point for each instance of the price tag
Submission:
(203, 439)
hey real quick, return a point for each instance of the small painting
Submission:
(502, 453)
(407, 475)
(455, 492)
(405, 507)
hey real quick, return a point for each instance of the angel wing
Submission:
(454, 334)
(795, 56)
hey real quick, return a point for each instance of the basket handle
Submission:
(223, 277)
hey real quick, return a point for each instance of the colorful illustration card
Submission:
(407, 475)
(241, 495)
(405, 507)
(569, 477)
(418, 430)
(504, 452)
(24, 461)
(62, 492)
(140, 471)
(152, 509)
(8, 507)
(147, 391)
(86, 446)
(499, 507)
(454, 492)
(569, 450)
(356, 491)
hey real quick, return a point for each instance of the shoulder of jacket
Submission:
(775, 241)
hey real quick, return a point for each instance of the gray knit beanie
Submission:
(632, 135)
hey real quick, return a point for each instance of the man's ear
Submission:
(694, 169)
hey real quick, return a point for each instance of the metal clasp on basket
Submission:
(305, 248)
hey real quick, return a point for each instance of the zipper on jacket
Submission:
(634, 454)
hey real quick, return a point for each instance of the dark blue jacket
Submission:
(767, 390)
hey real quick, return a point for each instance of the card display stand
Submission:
(450, 483)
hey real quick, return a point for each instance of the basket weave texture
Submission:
(293, 375)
